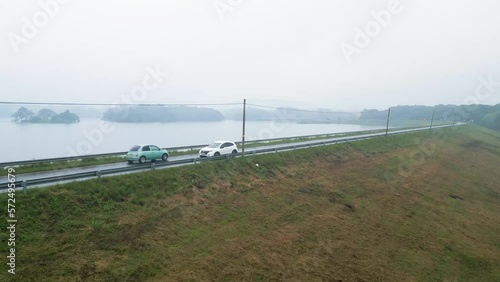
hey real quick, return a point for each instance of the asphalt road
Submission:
(248, 151)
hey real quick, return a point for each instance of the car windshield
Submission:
(214, 145)
(135, 148)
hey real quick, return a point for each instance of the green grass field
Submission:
(416, 207)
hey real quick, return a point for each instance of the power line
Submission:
(114, 104)
(164, 104)
(299, 110)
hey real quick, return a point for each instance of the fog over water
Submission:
(37, 141)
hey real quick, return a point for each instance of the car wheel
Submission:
(130, 162)
(235, 152)
(164, 157)
(216, 154)
(142, 159)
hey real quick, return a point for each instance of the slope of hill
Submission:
(414, 207)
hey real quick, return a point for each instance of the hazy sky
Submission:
(279, 52)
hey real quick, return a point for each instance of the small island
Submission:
(24, 115)
(162, 114)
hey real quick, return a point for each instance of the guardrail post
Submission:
(195, 161)
(153, 166)
(254, 152)
(98, 174)
(25, 186)
(294, 147)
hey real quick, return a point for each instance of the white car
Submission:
(219, 148)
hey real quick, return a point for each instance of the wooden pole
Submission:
(243, 134)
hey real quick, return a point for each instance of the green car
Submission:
(142, 153)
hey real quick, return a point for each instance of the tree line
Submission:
(488, 116)
(161, 114)
(24, 115)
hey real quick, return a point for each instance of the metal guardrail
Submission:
(153, 165)
(27, 162)
(173, 149)
(99, 173)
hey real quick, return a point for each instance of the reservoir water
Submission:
(93, 136)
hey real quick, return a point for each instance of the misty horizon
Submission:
(336, 55)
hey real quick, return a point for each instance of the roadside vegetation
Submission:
(324, 213)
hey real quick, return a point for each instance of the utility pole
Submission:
(243, 135)
(432, 119)
(387, 127)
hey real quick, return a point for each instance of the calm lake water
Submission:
(93, 136)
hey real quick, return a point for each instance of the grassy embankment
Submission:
(323, 213)
(49, 166)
